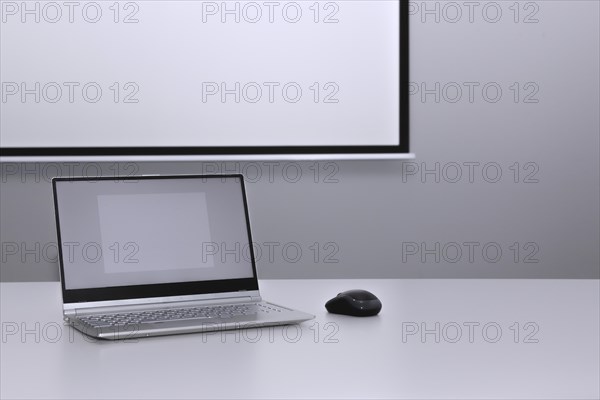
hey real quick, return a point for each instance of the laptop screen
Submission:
(167, 235)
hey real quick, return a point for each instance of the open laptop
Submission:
(157, 255)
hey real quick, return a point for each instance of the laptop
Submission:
(157, 255)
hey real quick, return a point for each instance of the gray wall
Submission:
(393, 218)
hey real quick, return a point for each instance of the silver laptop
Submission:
(157, 255)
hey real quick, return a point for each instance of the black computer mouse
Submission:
(358, 303)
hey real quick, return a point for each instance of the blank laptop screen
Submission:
(152, 231)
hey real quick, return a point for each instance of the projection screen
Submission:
(193, 78)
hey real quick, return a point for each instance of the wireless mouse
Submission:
(358, 303)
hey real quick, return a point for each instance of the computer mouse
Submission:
(358, 303)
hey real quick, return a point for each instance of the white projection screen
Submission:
(192, 78)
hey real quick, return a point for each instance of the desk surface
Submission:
(433, 339)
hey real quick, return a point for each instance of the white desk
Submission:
(369, 359)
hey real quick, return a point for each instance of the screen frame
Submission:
(398, 149)
(154, 290)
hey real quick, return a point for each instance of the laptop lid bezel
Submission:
(161, 290)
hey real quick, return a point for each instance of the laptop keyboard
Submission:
(169, 314)
(176, 314)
